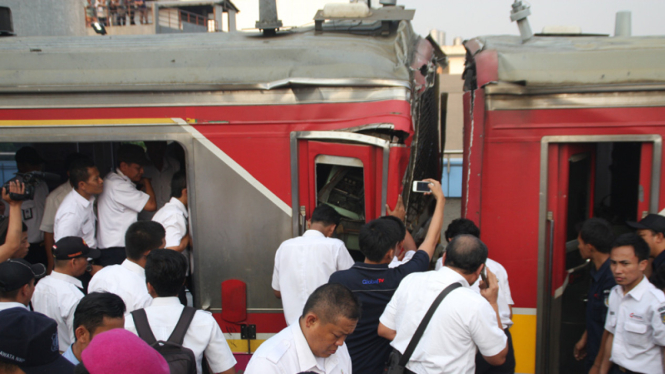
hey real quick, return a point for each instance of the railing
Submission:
(174, 18)
(126, 16)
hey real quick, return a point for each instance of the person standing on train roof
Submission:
(374, 282)
(28, 160)
(304, 263)
(160, 171)
(635, 323)
(652, 229)
(53, 201)
(594, 243)
(463, 226)
(126, 193)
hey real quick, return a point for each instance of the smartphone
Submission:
(483, 276)
(420, 186)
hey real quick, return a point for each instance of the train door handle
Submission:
(302, 219)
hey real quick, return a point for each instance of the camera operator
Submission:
(12, 242)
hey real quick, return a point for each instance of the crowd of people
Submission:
(101, 266)
(116, 12)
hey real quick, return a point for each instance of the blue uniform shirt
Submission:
(602, 282)
(374, 285)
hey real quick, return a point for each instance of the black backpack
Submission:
(181, 360)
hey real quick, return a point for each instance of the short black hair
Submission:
(69, 160)
(93, 307)
(461, 226)
(143, 236)
(466, 252)
(165, 270)
(378, 237)
(331, 301)
(178, 183)
(598, 233)
(326, 214)
(631, 239)
(401, 234)
(78, 171)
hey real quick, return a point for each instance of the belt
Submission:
(627, 371)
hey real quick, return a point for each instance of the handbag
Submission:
(397, 361)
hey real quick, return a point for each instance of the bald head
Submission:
(466, 253)
(332, 301)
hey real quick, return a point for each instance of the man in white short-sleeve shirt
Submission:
(127, 280)
(165, 274)
(76, 215)
(314, 342)
(306, 262)
(464, 320)
(58, 294)
(173, 216)
(635, 323)
(118, 206)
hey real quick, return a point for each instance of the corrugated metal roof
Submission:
(558, 61)
(200, 61)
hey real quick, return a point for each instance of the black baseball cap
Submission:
(16, 273)
(132, 154)
(654, 222)
(71, 247)
(28, 155)
(30, 341)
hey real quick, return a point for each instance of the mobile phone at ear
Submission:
(420, 186)
(483, 276)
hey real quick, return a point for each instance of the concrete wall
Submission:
(47, 17)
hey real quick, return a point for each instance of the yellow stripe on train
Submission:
(523, 332)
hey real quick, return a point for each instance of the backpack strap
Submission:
(423, 324)
(143, 327)
(178, 334)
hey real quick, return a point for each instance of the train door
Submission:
(611, 179)
(344, 170)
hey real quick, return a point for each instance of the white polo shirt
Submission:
(53, 201)
(161, 183)
(637, 320)
(288, 353)
(76, 217)
(11, 304)
(462, 322)
(57, 296)
(126, 280)
(303, 264)
(203, 335)
(173, 216)
(118, 207)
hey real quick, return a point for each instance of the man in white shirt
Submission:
(128, 279)
(165, 274)
(173, 216)
(17, 282)
(315, 342)
(306, 262)
(76, 216)
(504, 300)
(118, 206)
(27, 160)
(96, 313)
(463, 322)
(160, 171)
(53, 201)
(635, 323)
(58, 294)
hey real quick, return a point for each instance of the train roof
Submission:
(205, 61)
(555, 61)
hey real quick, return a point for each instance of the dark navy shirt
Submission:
(602, 282)
(374, 285)
(658, 261)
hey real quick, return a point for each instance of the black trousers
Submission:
(616, 369)
(508, 367)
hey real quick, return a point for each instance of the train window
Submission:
(340, 184)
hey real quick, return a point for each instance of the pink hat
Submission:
(120, 351)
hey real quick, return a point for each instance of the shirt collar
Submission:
(179, 205)
(66, 278)
(596, 274)
(306, 359)
(314, 233)
(12, 304)
(638, 290)
(133, 267)
(457, 277)
(82, 200)
(165, 301)
(123, 176)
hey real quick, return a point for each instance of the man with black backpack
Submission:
(181, 334)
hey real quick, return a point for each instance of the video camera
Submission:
(30, 180)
